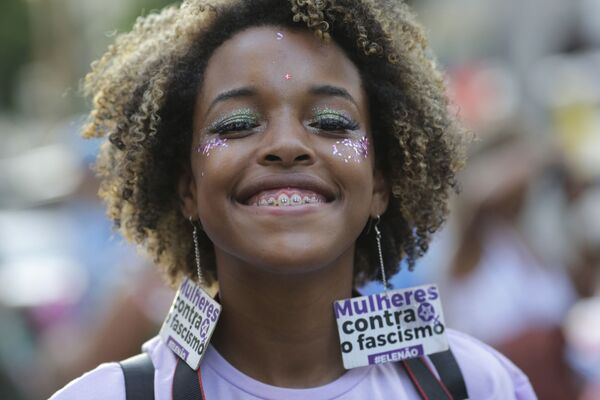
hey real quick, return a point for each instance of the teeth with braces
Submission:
(283, 200)
(296, 199)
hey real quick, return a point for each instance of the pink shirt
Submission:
(488, 375)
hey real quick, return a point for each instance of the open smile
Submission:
(285, 190)
(288, 197)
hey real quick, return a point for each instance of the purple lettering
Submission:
(396, 355)
(197, 295)
(177, 348)
(420, 295)
(383, 298)
(371, 303)
(397, 300)
(215, 315)
(342, 308)
(357, 303)
(185, 287)
(433, 293)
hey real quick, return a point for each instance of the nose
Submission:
(286, 143)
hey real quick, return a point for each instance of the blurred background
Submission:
(518, 262)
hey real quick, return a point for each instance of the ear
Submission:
(381, 194)
(186, 189)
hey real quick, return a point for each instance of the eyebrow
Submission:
(328, 90)
(247, 91)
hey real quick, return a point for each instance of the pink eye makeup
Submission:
(351, 150)
(212, 144)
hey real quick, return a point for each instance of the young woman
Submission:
(271, 148)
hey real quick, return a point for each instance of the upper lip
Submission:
(284, 181)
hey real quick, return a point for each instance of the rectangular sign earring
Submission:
(390, 326)
(190, 323)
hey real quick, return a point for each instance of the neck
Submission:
(280, 329)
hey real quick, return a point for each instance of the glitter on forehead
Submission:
(279, 35)
(288, 77)
(211, 144)
(352, 150)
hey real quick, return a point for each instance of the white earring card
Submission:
(190, 323)
(390, 326)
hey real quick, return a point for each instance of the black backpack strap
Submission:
(450, 387)
(450, 373)
(425, 381)
(187, 383)
(139, 380)
(139, 377)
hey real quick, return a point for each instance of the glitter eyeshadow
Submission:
(352, 150)
(243, 113)
(211, 144)
(319, 112)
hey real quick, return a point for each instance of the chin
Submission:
(297, 260)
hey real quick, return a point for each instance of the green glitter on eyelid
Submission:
(244, 112)
(338, 115)
(319, 112)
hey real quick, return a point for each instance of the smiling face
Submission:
(282, 171)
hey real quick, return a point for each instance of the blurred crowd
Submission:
(518, 262)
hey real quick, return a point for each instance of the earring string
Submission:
(381, 266)
(196, 249)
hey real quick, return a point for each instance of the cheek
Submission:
(211, 145)
(352, 167)
(351, 150)
(352, 158)
(210, 156)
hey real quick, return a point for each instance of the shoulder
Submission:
(104, 382)
(488, 374)
(107, 380)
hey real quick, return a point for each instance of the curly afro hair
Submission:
(145, 86)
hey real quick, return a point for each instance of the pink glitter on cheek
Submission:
(279, 35)
(287, 77)
(352, 150)
(211, 144)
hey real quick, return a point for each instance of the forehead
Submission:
(278, 61)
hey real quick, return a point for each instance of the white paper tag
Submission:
(391, 326)
(190, 323)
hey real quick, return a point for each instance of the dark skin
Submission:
(293, 98)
